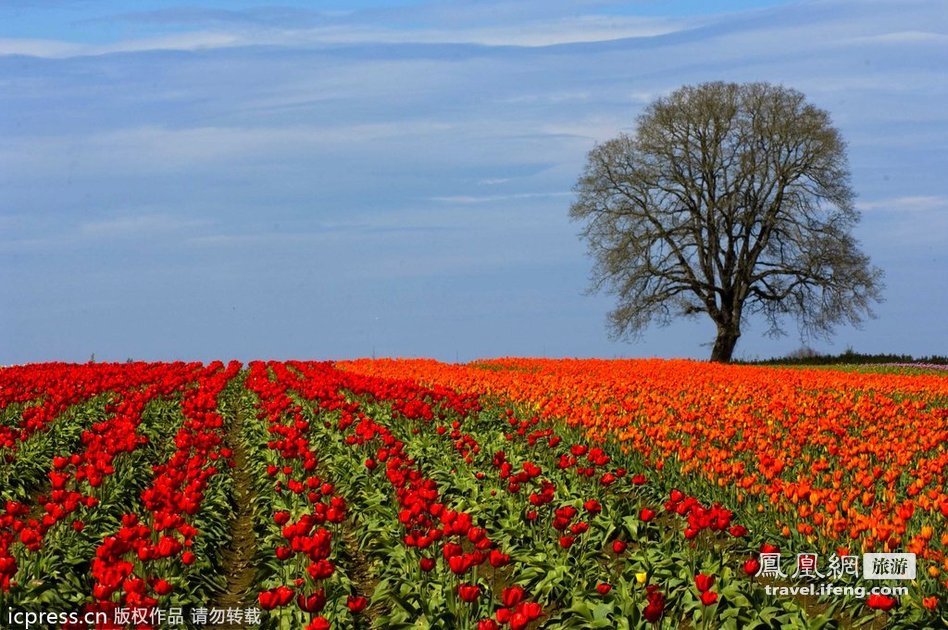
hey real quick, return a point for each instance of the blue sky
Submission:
(232, 179)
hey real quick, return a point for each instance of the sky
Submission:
(229, 179)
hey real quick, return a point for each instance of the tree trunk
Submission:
(724, 344)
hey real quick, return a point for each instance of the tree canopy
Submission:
(728, 200)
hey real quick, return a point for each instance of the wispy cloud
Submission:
(207, 29)
(137, 225)
(38, 47)
(485, 22)
(906, 224)
(920, 203)
(539, 33)
(55, 49)
(320, 233)
(903, 37)
(274, 17)
(476, 199)
(165, 149)
(36, 234)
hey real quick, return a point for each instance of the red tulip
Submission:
(475, 534)
(459, 564)
(709, 597)
(603, 588)
(531, 610)
(357, 603)
(519, 621)
(469, 592)
(704, 582)
(512, 595)
(319, 623)
(752, 566)
(267, 600)
(647, 514)
(321, 569)
(312, 603)
(284, 595)
(881, 602)
(498, 559)
(451, 549)
(656, 604)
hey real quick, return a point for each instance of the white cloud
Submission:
(476, 199)
(134, 225)
(163, 149)
(906, 224)
(39, 233)
(902, 37)
(594, 128)
(552, 97)
(62, 49)
(38, 47)
(531, 33)
(920, 203)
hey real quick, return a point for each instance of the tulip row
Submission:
(168, 552)
(302, 577)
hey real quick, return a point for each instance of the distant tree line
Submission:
(806, 356)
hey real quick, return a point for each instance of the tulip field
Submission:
(507, 493)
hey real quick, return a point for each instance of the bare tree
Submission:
(729, 199)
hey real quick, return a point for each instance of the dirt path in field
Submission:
(238, 558)
(361, 573)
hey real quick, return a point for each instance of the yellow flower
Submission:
(641, 577)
